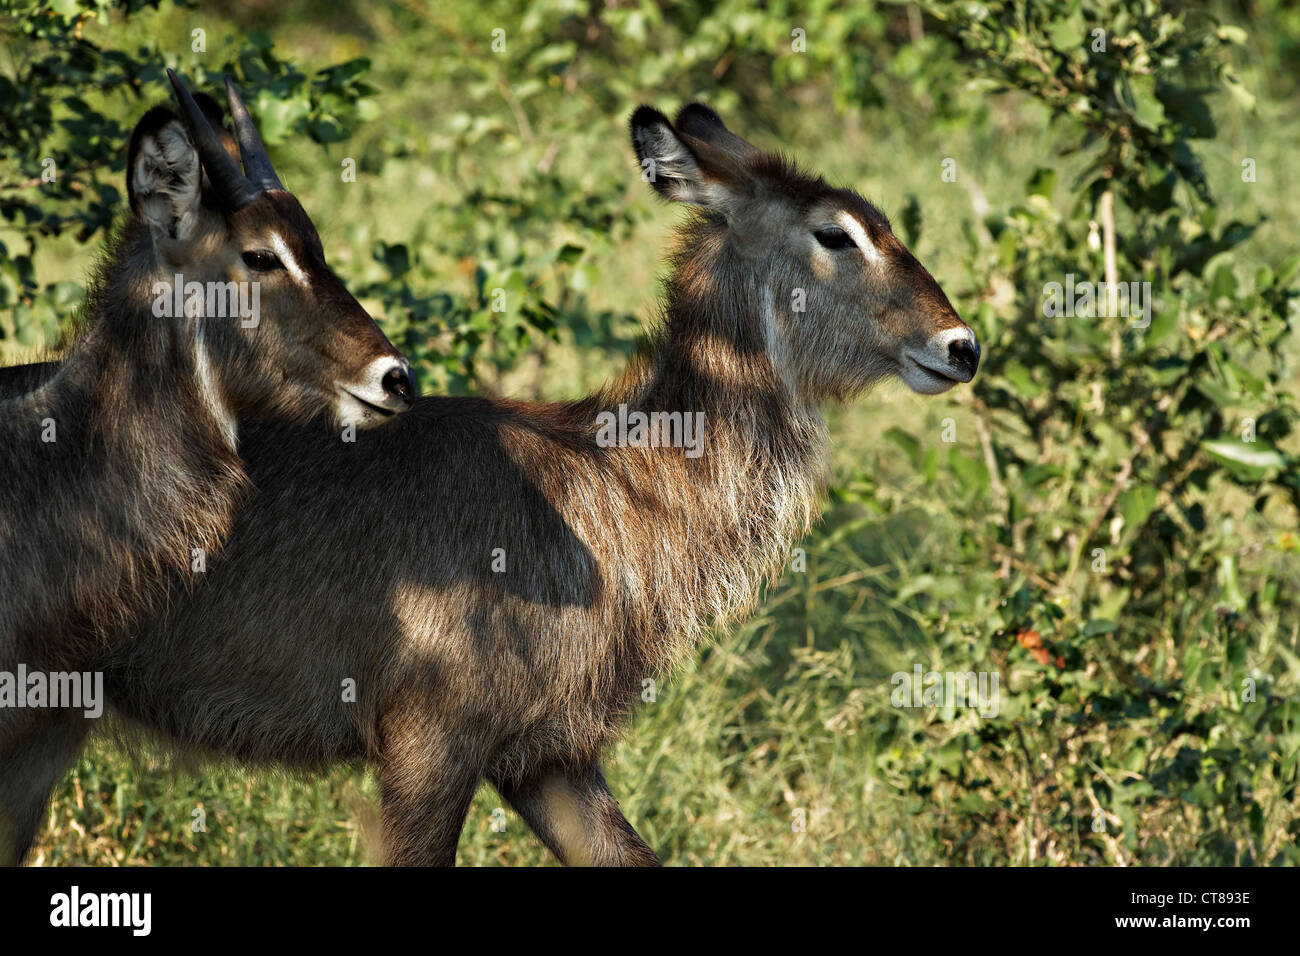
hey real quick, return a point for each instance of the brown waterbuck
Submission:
(494, 614)
(120, 472)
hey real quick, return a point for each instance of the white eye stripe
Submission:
(290, 263)
(859, 237)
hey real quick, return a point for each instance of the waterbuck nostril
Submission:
(397, 384)
(965, 355)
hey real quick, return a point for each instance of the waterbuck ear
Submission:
(681, 167)
(163, 176)
(699, 122)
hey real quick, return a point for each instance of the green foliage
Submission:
(1122, 461)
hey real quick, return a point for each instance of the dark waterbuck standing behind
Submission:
(120, 472)
(498, 608)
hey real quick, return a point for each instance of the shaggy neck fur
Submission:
(699, 536)
(142, 470)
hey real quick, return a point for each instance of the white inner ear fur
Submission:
(674, 165)
(290, 263)
(671, 159)
(167, 179)
(849, 224)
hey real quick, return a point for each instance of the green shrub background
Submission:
(1106, 519)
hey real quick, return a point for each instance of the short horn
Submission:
(232, 186)
(257, 165)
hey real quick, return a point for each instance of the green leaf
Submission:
(1021, 380)
(1245, 99)
(276, 117)
(1146, 107)
(584, 277)
(1067, 34)
(1227, 576)
(1224, 283)
(1136, 504)
(395, 258)
(1189, 109)
(971, 472)
(907, 442)
(1255, 455)
(1041, 183)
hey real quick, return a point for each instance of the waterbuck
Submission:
(120, 473)
(494, 613)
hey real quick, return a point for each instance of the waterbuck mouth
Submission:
(928, 380)
(379, 394)
(351, 408)
(384, 412)
(950, 357)
(956, 379)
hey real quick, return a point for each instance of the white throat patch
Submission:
(777, 347)
(209, 390)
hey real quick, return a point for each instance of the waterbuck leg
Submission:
(423, 817)
(29, 769)
(577, 818)
(427, 779)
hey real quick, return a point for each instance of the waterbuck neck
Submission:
(133, 441)
(753, 490)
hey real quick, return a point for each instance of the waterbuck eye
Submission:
(260, 260)
(833, 237)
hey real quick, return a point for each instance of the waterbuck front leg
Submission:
(423, 819)
(427, 779)
(30, 766)
(577, 818)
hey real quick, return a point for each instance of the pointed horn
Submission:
(232, 186)
(257, 165)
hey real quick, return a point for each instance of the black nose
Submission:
(397, 383)
(965, 355)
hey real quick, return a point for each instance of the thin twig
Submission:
(1107, 215)
(1140, 441)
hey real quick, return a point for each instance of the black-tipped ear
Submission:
(163, 175)
(680, 172)
(650, 129)
(699, 122)
(646, 116)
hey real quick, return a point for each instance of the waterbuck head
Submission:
(843, 302)
(275, 330)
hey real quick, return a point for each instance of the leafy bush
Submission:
(1119, 462)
